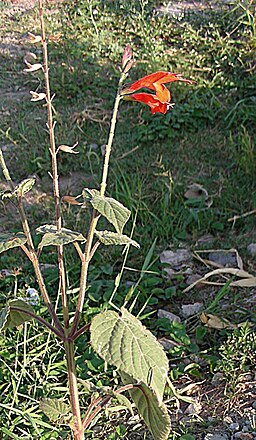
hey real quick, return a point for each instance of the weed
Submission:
(237, 354)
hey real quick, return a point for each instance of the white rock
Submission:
(176, 258)
(251, 248)
(169, 315)
(191, 309)
(234, 426)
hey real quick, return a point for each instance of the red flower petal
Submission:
(152, 100)
(149, 81)
(162, 93)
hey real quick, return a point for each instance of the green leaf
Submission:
(9, 241)
(14, 314)
(122, 341)
(24, 187)
(54, 409)
(19, 190)
(154, 414)
(111, 209)
(113, 238)
(88, 194)
(52, 237)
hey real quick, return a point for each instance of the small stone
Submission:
(193, 408)
(169, 315)
(166, 343)
(177, 260)
(216, 380)
(254, 405)
(191, 279)
(251, 249)
(225, 259)
(191, 309)
(234, 426)
(245, 429)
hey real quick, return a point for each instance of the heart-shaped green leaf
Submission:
(54, 409)
(113, 238)
(15, 313)
(24, 187)
(111, 209)
(9, 241)
(122, 341)
(52, 237)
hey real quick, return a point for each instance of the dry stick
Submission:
(30, 251)
(96, 216)
(54, 171)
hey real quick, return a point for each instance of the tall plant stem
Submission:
(74, 398)
(55, 176)
(96, 216)
(31, 252)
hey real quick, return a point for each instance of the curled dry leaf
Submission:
(213, 321)
(68, 149)
(33, 67)
(37, 96)
(71, 200)
(34, 38)
(249, 280)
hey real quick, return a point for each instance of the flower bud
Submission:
(127, 61)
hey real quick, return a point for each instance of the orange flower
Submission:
(161, 100)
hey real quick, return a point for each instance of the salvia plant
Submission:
(116, 335)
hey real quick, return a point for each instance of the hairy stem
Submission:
(74, 397)
(95, 218)
(55, 176)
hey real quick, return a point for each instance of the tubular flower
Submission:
(160, 102)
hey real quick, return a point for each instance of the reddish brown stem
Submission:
(55, 176)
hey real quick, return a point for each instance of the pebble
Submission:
(225, 259)
(251, 249)
(234, 426)
(169, 315)
(166, 343)
(193, 408)
(217, 379)
(191, 309)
